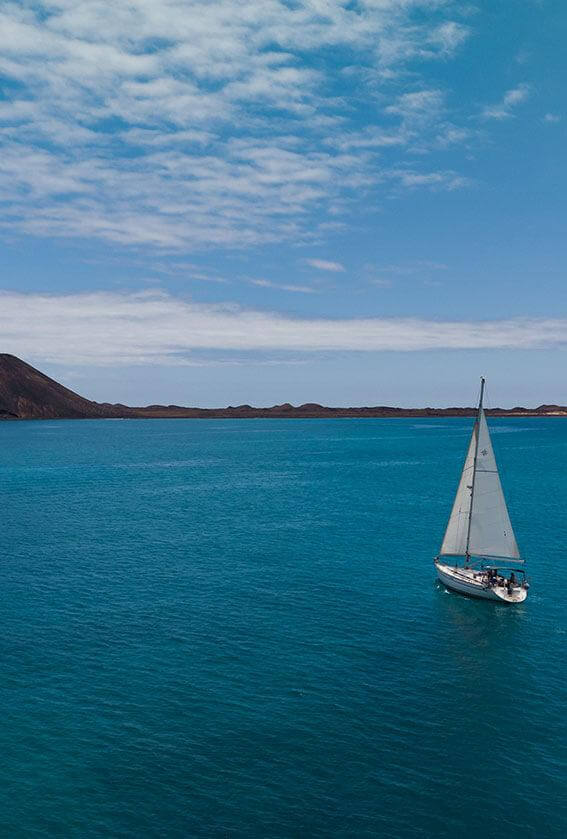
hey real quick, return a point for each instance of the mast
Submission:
(477, 426)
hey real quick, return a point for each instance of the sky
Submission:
(351, 202)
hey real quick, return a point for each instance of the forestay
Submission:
(490, 532)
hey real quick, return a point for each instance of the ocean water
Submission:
(232, 628)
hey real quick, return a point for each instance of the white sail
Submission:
(455, 541)
(490, 532)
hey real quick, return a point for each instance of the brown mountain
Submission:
(26, 393)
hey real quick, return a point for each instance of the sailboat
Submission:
(479, 555)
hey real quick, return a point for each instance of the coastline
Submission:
(269, 413)
(27, 393)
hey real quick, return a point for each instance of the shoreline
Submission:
(27, 393)
(345, 414)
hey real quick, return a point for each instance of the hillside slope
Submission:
(26, 393)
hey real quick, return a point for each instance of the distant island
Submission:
(27, 393)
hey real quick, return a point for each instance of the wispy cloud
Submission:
(412, 179)
(302, 289)
(418, 106)
(552, 118)
(325, 265)
(181, 124)
(505, 108)
(154, 328)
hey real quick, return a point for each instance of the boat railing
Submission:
(501, 579)
(480, 575)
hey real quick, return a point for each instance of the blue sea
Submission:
(232, 628)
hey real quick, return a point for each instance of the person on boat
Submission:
(512, 579)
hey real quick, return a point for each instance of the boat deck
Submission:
(474, 582)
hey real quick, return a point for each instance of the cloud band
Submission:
(155, 328)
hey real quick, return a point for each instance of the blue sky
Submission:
(229, 202)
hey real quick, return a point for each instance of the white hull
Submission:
(469, 581)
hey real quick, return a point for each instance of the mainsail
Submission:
(479, 524)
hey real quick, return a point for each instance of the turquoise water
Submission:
(232, 628)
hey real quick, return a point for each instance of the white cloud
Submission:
(411, 179)
(369, 138)
(182, 124)
(155, 328)
(325, 265)
(449, 35)
(420, 106)
(552, 118)
(505, 108)
(302, 289)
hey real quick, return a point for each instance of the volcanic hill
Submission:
(26, 393)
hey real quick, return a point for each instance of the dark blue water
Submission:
(232, 628)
